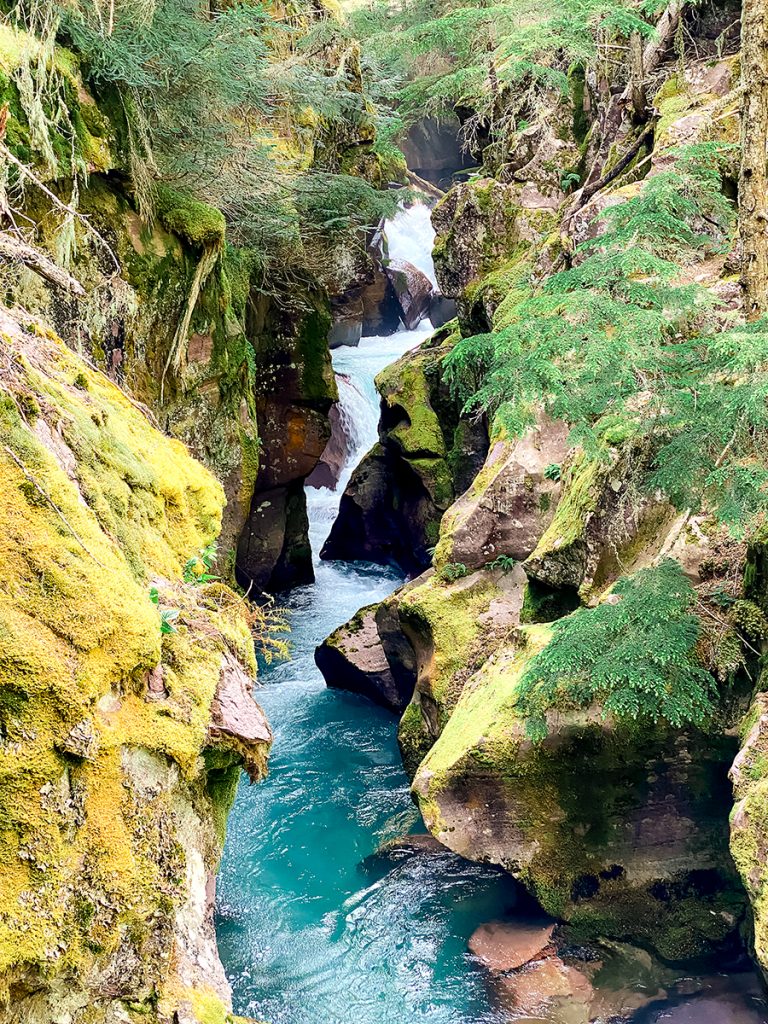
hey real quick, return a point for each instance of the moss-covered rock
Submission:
(510, 502)
(618, 829)
(749, 819)
(483, 228)
(112, 819)
(427, 455)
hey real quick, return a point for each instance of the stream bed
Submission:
(313, 926)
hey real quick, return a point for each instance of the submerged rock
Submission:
(506, 945)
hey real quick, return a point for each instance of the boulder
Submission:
(353, 658)
(335, 454)
(413, 290)
(381, 310)
(506, 945)
(618, 829)
(511, 501)
(427, 454)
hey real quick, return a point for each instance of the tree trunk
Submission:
(637, 76)
(753, 179)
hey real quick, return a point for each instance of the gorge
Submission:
(383, 497)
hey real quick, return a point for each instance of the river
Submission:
(313, 927)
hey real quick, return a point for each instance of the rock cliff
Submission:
(127, 713)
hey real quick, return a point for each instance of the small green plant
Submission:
(451, 572)
(167, 615)
(504, 562)
(553, 471)
(569, 179)
(635, 655)
(198, 568)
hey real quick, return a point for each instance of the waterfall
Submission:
(410, 236)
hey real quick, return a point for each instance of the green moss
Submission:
(560, 810)
(94, 860)
(199, 224)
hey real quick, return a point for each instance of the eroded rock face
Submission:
(433, 151)
(509, 504)
(353, 658)
(427, 454)
(484, 230)
(295, 390)
(617, 828)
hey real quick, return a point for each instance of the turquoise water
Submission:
(312, 928)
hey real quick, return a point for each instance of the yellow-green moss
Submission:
(198, 223)
(96, 503)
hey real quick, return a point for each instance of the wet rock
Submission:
(545, 987)
(418, 845)
(638, 809)
(381, 310)
(237, 721)
(353, 658)
(413, 290)
(296, 389)
(427, 454)
(441, 310)
(328, 470)
(506, 945)
(433, 151)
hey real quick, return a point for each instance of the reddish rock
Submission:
(506, 945)
(413, 290)
(237, 721)
(353, 658)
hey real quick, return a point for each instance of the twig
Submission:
(59, 202)
(53, 505)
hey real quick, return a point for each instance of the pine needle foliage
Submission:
(225, 101)
(634, 655)
(467, 53)
(623, 338)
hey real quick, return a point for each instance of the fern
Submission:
(634, 655)
(619, 337)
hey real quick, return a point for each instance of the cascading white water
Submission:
(313, 928)
(409, 236)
